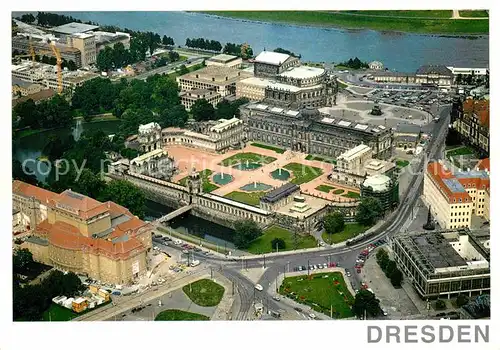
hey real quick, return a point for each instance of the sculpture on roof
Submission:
(429, 225)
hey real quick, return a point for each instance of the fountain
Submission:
(280, 174)
(247, 163)
(77, 130)
(222, 179)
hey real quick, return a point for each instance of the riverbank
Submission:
(429, 22)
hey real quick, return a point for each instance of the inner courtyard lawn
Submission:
(303, 173)
(204, 292)
(350, 230)
(324, 292)
(250, 198)
(263, 243)
(350, 194)
(325, 188)
(272, 148)
(247, 156)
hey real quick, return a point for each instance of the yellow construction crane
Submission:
(57, 53)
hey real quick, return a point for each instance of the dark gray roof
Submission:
(408, 129)
(437, 250)
(434, 69)
(37, 240)
(407, 138)
(280, 192)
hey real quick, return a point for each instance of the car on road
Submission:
(196, 249)
(277, 298)
(297, 309)
(384, 312)
(185, 251)
(259, 287)
(348, 274)
(325, 265)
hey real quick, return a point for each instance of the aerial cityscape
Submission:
(238, 170)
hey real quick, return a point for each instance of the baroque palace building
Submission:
(309, 131)
(76, 233)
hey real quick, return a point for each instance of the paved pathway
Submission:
(456, 15)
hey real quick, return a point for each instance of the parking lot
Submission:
(422, 100)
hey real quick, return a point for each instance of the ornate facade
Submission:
(156, 163)
(309, 131)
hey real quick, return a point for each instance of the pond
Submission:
(222, 179)
(280, 174)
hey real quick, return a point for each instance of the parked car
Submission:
(277, 298)
(259, 287)
(325, 265)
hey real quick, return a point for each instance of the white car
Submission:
(277, 298)
(348, 274)
(312, 316)
(259, 287)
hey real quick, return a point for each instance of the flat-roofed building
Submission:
(42, 48)
(188, 98)
(279, 196)
(24, 88)
(224, 60)
(443, 263)
(79, 234)
(68, 29)
(455, 197)
(354, 165)
(219, 79)
(86, 43)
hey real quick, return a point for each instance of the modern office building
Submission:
(455, 197)
(224, 60)
(76, 233)
(188, 98)
(443, 263)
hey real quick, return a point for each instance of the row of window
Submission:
(231, 210)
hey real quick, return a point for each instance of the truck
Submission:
(195, 263)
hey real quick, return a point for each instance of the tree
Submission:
(440, 304)
(22, 259)
(89, 184)
(57, 145)
(126, 194)
(173, 56)
(278, 243)
(334, 222)
(382, 258)
(462, 300)
(203, 110)
(390, 268)
(174, 116)
(366, 301)
(369, 210)
(27, 18)
(396, 277)
(245, 232)
(105, 59)
(166, 40)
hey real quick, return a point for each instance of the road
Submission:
(396, 222)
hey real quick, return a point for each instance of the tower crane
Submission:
(57, 53)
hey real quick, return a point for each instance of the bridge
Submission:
(175, 213)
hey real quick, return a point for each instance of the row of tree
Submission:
(355, 63)
(46, 114)
(47, 19)
(280, 50)
(71, 65)
(31, 300)
(389, 267)
(241, 50)
(202, 110)
(204, 44)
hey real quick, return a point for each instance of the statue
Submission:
(429, 225)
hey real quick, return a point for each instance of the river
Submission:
(400, 51)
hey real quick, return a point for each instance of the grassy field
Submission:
(338, 191)
(320, 159)
(474, 13)
(272, 148)
(303, 173)
(350, 230)
(402, 163)
(350, 194)
(204, 292)
(58, 313)
(435, 22)
(324, 292)
(325, 188)
(263, 243)
(460, 151)
(243, 157)
(179, 315)
(250, 198)
(207, 185)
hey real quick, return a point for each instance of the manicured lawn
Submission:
(58, 313)
(338, 191)
(402, 163)
(350, 194)
(272, 148)
(204, 292)
(435, 21)
(263, 243)
(303, 173)
(325, 188)
(473, 13)
(350, 230)
(243, 157)
(179, 315)
(324, 292)
(250, 198)
(205, 176)
(460, 151)
(320, 159)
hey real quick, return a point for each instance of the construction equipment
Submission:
(57, 53)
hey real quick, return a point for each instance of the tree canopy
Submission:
(203, 110)
(205, 44)
(369, 211)
(52, 113)
(278, 243)
(126, 194)
(334, 222)
(280, 50)
(366, 301)
(355, 63)
(245, 232)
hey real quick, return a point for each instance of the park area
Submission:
(350, 230)
(179, 315)
(324, 292)
(262, 244)
(338, 191)
(204, 292)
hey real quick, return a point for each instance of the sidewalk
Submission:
(225, 308)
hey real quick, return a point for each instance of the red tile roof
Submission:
(25, 189)
(484, 164)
